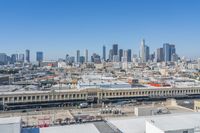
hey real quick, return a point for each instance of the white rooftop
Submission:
(10, 120)
(10, 125)
(164, 122)
(176, 122)
(82, 128)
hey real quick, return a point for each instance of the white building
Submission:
(171, 123)
(10, 125)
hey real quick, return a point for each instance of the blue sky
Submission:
(58, 27)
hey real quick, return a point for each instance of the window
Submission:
(15, 98)
(20, 98)
(74, 95)
(24, 98)
(185, 131)
(33, 97)
(5, 99)
(38, 97)
(29, 97)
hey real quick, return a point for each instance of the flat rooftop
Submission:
(164, 122)
(80, 128)
(94, 127)
(10, 120)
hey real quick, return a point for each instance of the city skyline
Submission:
(166, 53)
(60, 28)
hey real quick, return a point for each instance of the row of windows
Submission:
(43, 97)
(164, 92)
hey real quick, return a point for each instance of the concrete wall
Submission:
(150, 128)
(144, 111)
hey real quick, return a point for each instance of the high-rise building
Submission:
(129, 57)
(14, 58)
(160, 55)
(67, 58)
(82, 59)
(142, 51)
(125, 55)
(104, 53)
(110, 55)
(78, 56)
(120, 54)
(39, 56)
(152, 56)
(172, 50)
(3, 59)
(168, 50)
(27, 55)
(115, 58)
(86, 56)
(147, 53)
(71, 59)
(174, 57)
(95, 58)
(21, 58)
(115, 49)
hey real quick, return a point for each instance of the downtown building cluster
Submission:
(167, 53)
(19, 58)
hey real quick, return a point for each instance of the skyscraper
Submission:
(110, 55)
(142, 51)
(78, 56)
(27, 55)
(14, 58)
(104, 52)
(82, 59)
(172, 50)
(174, 57)
(86, 56)
(129, 55)
(67, 58)
(125, 55)
(115, 49)
(21, 57)
(3, 59)
(168, 50)
(95, 58)
(160, 55)
(120, 54)
(115, 58)
(147, 53)
(39, 56)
